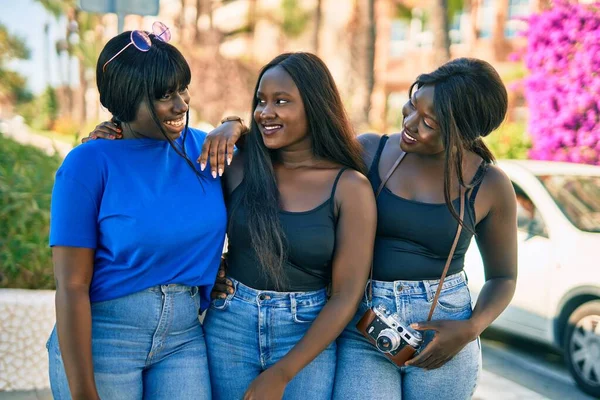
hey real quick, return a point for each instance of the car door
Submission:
(529, 310)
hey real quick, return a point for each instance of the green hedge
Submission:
(26, 180)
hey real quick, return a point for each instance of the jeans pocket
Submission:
(220, 304)
(455, 300)
(307, 314)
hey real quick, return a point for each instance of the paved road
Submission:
(516, 369)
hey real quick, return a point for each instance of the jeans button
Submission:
(261, 297)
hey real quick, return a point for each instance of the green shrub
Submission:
(26, 180)
(510, 141)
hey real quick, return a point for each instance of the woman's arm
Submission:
(497, 241)
(355, 237)
(73, 269)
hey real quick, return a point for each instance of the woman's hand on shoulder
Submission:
(105, 130)
(218, 146)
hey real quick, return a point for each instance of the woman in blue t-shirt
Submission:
(137, 231)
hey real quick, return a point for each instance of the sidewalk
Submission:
(19, 132)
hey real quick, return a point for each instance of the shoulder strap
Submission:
(375, 162)
(452, 249)
(389, 174)
(333, 188)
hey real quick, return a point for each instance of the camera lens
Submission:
(388, 340)
(384, 343)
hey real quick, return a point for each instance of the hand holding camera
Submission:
(450, 338)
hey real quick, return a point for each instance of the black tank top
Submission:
(413, 238)
(310, 238)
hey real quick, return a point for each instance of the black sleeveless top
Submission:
(413, 239)
(310, 239)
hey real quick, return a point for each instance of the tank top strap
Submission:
(476, 182)
(375, 164)
(335, 182)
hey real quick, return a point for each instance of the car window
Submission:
(578, 197)
(529, 219)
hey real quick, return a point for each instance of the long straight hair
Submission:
(470, 101)
(332, 137)
(135, 77)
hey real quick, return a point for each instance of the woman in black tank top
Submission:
(448, 113)
(301, 217)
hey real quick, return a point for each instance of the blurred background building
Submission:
(374, 48)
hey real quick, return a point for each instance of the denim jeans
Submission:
(251, 330)
(363, 372)
(147, 345)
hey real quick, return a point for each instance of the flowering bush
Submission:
(563, 87)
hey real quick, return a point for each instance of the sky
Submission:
(26, 19)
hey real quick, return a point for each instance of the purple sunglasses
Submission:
(141, 41)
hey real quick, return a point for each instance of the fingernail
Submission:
(228, 160)
(414, 326)
(222, 295)
(214, 174)
(229, 282)
(220, 171)
(230, 290)
(202, 166)
(111, 137)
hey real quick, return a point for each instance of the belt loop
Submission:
(293, 303)
(369, 282)
(428, 290)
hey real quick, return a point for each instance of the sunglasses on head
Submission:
(141, 40)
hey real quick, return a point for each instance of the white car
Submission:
(557, 300)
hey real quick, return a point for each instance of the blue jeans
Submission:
(147, 345)
(251, 330)
(363, 372)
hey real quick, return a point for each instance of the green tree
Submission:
(12, 84)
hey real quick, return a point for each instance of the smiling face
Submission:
(279, 111)
(171, 111)
(421, 132)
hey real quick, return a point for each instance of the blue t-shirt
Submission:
(151, 220)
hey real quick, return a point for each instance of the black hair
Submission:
(134, 77)
(333, 139)
(469, 101)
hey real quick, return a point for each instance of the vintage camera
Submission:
(398, 341)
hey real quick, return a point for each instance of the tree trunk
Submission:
(198, 16)
(498, 39)
(441, 36)
(317, 30)
(370, 53)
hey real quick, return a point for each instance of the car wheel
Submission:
(582, 347)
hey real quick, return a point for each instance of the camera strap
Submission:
(452, 249)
